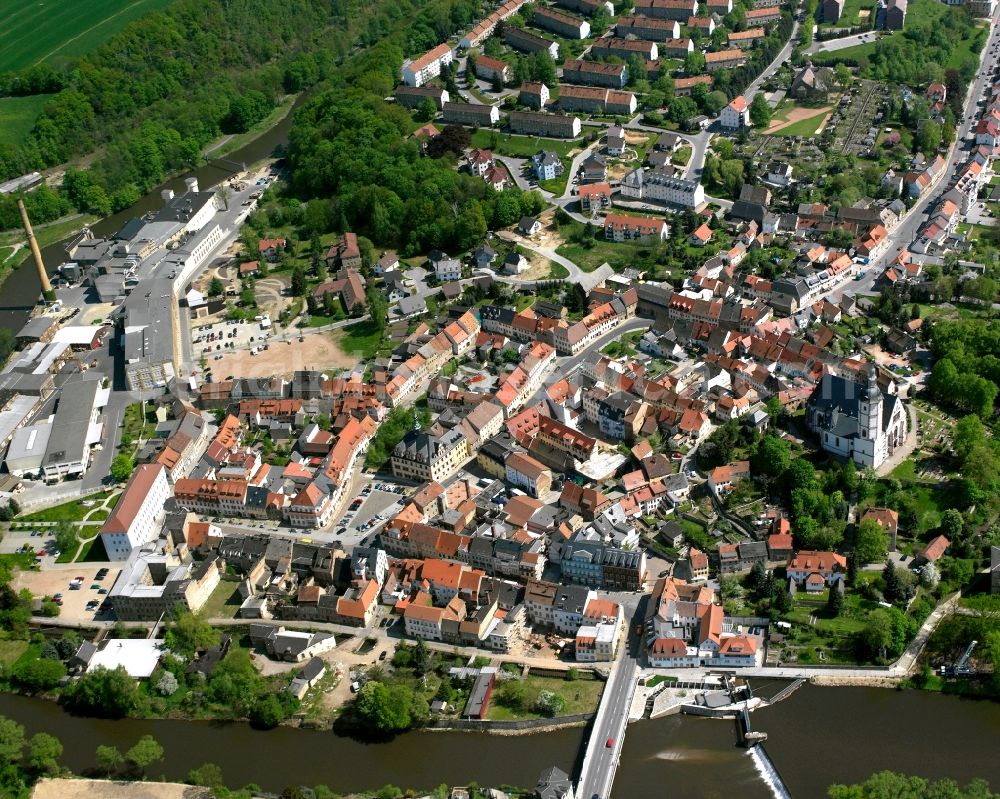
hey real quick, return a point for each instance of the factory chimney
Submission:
(43, 278)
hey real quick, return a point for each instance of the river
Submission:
(816, 737)
(21, 288)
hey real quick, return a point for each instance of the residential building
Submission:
(423, 456)
(525, 472)
(618, 227)
(747, 38)
(528, 42)
(534, 95)
(832, 9)
(475, 114)
(816, 571)
(414, 97)
(595, 73)
(139, 513)
(763, 16)
(681, 10)
(492, 69)
(736, 115)
(724, 59)
(594, 196)
(420, 70)
(624, 48)
(532, 123)
(152, 584)
(887, 519)
(546, 165)
(648, 184)
(655, 30)
(565, 25)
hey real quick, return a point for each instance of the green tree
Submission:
(889, 785)
(377, 308)
(423, 661)
(66, 536)
(147, 750)
(188, 633)
(11, 741)
(209, 775)
(772, 457)
(38, 675)
(298, 281)
(383, 708)
(835, 602)
(109, 759)
(122, 467)
(694, 63)
(871, 543)
(216, 287)
(44, 751)
(876, 636)
(105, 693)
(760, 111)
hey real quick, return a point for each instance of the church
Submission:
(857, 419)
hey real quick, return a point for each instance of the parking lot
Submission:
(55, 581)
(210, 341)
(41, 541)
(360, 521)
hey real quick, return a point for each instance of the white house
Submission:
(736, 115)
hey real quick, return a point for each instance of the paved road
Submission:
(608, 732)
(905, 232)
(782, 58)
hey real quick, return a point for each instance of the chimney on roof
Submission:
(192, 184)
(167, 195)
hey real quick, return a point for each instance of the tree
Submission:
(383, 708)
(876, 637)
(549, 703)
(298, 281)
(66, 536)
(109, 759)
(892, 588)
(378, 310)
(835, 602)
(512, 694)
(216, 287)
(122, 467)
(899, 786)
(44, 751)
(188, 633)
(772, 457)
(422, 659)
(760, 111)
(694, 63)
(11, 741)
(147, 750)
(167, 684)
(871, 542)
(38, 675)
(209, 775)
(105, 693)
(843, 76)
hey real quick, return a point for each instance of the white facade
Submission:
(139, 514)
(644, 184)
(736, 115)
(428, 66)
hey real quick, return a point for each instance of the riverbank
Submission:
(46, 235)
(224, 145)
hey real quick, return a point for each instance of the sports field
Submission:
(43, 30)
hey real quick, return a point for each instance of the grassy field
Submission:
(362, 339)
(36, 31)
(10, 651)
(17, 117)
(73, 511)
(521, 146)
(581, 696)
(223, 603)
(804, 127)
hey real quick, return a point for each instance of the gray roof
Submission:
(68, 437)
(184, 206)
(146, 316)
(838, 400)
(410, 306)
(36, 328)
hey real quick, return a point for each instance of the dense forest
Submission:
(154, 95)
(351, 160)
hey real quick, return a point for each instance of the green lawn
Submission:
(682, 156)
(849, 16)
(69, 511)
(521, 146)
(17, 117)
(36, 31)
(224, 602)
(362, 339)
(594, 252)
(804, 127)
(581, 696)
(10, 651)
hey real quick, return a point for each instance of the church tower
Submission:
(870, 408)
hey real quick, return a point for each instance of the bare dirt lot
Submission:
(56, 581)
(316, 351)
(87, 789)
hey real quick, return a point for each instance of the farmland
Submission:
(35, 31)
